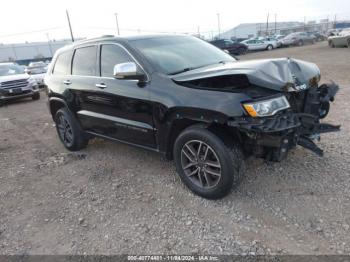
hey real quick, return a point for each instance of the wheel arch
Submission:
(55, 104)
(227, 134)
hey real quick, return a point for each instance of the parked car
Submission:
(318, 36)
(37, 70)
(231, 46)
(340, 40)
(254, 45)
(183, 97)
(298, 38)
(16, 84)
(269, 40)
(278, 39)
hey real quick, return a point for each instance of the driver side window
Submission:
(110, 56)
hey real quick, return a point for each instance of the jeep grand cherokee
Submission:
(187, 99)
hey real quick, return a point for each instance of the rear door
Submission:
(117, 108)
(260, 45)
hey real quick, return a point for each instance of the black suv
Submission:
(187, 99)
(232, 47)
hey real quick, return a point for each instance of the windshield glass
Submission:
(10, 69)
(175, 54)
(37, 70)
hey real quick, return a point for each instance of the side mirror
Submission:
(128, 71)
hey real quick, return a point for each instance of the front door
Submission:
(112, 107)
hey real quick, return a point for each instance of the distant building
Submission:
(27, 52)
(249, 30)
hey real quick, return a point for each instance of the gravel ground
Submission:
(112, 198)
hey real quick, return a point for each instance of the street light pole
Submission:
(116, 20)
(275, 24)
(267, 24)
(218, 24)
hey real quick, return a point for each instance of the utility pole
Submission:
(116, 20)
(335, 20)
(70, 26)
(219, 24)
(304, 23)
(198, 32)
(267, 24)
(48, 42)
(275, 24)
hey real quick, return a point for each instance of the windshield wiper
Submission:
(183, 70)
(193, 68)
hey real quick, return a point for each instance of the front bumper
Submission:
(272, 137)
(5, 95)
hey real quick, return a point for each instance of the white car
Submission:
(256, 44)
(37, 71)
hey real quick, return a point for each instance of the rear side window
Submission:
(84, 61)
(62, 65)
(110, 56)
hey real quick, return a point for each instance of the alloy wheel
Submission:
(201, 164)
(65, 130)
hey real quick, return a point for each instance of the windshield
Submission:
(10, 69)
(176, 54)
(37, 70)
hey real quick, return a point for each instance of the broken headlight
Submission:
(266, 107)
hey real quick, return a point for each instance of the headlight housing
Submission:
(32, 81)
(266, 107)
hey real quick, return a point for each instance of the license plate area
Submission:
(14, 91)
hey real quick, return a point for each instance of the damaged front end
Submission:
(284, 107)
(273, 136)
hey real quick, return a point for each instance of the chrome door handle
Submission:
(102, 85)
(67, 82)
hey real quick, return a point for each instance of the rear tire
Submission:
(69, 130)
(36, 96)
(348, 43)
(207, 165)
(331, 44)
(300, 43)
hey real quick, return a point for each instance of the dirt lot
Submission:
(112, 198)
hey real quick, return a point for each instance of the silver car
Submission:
(255, 44)
(298, 39)
(16, 84)
(340, 40)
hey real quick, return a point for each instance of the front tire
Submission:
(206, 164)
(36, 96)
(69, 130)
(269, 47)
(300, 43)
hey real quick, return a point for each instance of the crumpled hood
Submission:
(269, 73)
(14, 77)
